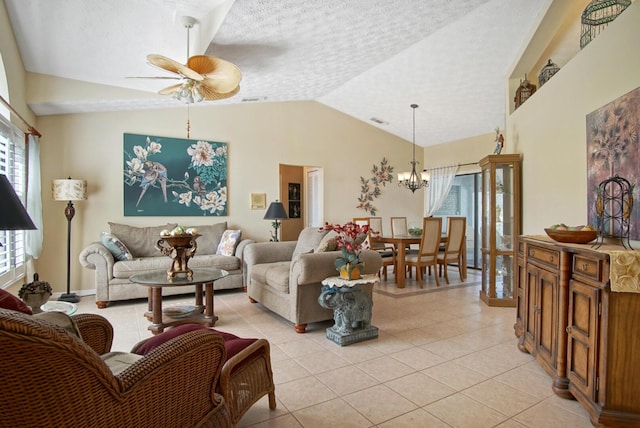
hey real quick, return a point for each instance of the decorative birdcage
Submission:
(547, 72)
(597, 15)
(614, 205)
(524, 91)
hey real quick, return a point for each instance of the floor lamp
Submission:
(276, 212)
(69, 190)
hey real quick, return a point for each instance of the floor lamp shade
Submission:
(13, 215)
(69, 190)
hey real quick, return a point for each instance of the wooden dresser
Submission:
(585, 336)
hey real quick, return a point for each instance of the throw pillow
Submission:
(140, 241)
(210, 236)
(115, 246)
(228, 242)
(9, 301)
(328, 243)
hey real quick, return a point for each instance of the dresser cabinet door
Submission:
(547, 334)
(583, 322)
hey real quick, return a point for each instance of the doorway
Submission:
(301, 193)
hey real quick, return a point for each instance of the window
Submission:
(12, 164)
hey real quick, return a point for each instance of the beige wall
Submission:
(550, 128)
(260, 138)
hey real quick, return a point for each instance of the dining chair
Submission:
(399, 226)
(427, 255)
(388, 253)
(452, 254)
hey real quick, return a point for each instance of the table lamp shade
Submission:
(69, 190)
(13, 215)
(276, 211)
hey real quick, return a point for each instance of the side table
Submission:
(351, 309)
(202, 314)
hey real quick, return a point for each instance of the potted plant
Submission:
(350, 241)
(35, 294)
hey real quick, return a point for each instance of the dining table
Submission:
(401, 242)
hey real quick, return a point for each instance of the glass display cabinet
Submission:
(501, 224)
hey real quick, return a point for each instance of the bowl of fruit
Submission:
(572, 234)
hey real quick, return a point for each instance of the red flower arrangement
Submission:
(350, 240)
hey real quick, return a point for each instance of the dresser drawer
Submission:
(587, 267)
(546, 256)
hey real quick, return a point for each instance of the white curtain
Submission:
(439, 185)
(34, 198)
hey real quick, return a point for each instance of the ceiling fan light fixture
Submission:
(202, 78)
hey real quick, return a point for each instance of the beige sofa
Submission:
(112, 275)
(285, 277)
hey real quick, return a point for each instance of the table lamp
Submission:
(276, 212)
(13, 215)
(69, 190)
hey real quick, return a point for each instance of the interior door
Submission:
(314, 201)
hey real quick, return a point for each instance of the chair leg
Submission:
(435, 274)
(446, 275)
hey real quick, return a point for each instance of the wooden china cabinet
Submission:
(585, 336)
(501, 202)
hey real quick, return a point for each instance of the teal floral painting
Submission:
(174, 176)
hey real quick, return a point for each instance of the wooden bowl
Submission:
(572, 236)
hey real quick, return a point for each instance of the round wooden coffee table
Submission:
(200, 313)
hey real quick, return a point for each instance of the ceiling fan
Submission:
(203, 78)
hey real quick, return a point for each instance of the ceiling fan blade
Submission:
(153, 77)
(169, 90)
(210, 95)
(219, 75)
(173, 66)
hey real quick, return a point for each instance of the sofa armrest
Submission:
(315, 267)
(96, 256)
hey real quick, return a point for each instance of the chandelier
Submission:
(411, 180)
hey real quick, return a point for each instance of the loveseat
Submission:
(128, 250)
(285, 277)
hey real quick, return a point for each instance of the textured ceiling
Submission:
(366, 58)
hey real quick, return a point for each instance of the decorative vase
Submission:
(35, 294)
(180, 248)
(350, 271)
(35, 300)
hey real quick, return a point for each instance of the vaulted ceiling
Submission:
(369, 59)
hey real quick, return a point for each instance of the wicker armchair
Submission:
(246, 374)
(50, 377)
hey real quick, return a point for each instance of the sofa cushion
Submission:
(140, 241)
(275, 275)
(210, 237)
(115, 246)
(328, 242)
(228, 242)
(124, 269)
(9, 301)
(308, 241)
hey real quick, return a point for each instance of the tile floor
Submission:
(443, 359)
